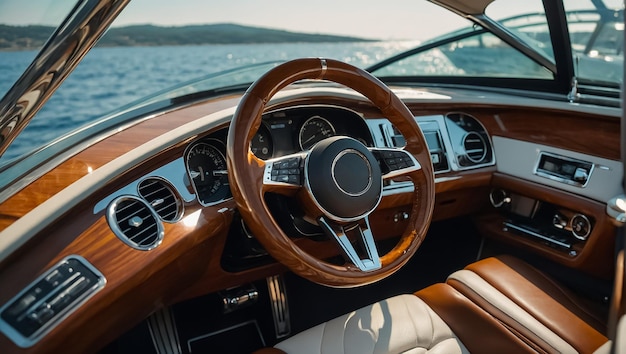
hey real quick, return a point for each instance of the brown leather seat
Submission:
(497, 305)
(536, 308)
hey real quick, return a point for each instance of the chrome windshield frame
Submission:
(78, 33)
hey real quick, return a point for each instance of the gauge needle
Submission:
(309, 139)
(194, 174)
(201, 173)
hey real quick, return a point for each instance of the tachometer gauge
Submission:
(262, 145)
(315, 129)
(206, 167)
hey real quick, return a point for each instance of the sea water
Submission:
(108, 78)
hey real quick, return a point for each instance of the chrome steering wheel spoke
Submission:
(395, 162)
(366, 257)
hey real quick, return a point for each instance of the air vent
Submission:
(162, 198)
(475, 147)
(135, 222)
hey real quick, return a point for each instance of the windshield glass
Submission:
(597, 34)
(156, 44)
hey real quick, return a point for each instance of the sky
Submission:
(374, 19)
(387, 19)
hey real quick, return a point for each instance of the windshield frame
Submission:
(69, 43)
(562, 84)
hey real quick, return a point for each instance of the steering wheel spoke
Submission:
(395, 162)
(365, 255)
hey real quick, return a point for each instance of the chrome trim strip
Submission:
(172, 173)
(535, 234)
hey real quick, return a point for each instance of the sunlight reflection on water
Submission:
(108, 78)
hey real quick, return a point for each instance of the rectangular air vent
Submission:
(564, 169)
(50, 298)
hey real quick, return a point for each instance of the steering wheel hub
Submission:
(343, 178)
(352, 173)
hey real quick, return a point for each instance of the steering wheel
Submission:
(338, 182)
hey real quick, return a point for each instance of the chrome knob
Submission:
(499, 198)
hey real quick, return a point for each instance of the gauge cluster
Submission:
(282, 132)
(300, 128)
(206, 167)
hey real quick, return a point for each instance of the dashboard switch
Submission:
(581, 175)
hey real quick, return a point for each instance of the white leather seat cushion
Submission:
(401, 324)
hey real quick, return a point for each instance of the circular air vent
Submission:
(475, 147)
(135, 222)
(162, 198)
(581, 226)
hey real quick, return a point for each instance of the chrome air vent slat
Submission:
(475, 147)
(135, 222)
(161, 196)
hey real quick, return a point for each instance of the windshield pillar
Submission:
(561, 44)
(81, 29)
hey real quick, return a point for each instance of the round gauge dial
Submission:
(315, 129)
(206, 166)
(262, 145)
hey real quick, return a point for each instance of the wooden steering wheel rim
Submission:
(245, 171)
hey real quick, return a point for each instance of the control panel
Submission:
(552, 225)
(49, 299)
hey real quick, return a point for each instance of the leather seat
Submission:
(536, 308)
(497, 305)
(409, 324)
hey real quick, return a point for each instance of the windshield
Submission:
(155, 45)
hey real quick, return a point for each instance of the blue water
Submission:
(108, 78)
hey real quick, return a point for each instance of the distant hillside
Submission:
(30, 37)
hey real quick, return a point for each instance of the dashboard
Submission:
(160, 206)
(457, 141)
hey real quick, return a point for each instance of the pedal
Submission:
(162, 326)
(280, 308)
(238, 298)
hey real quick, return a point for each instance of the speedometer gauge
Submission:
(315, 129)
(206, 167)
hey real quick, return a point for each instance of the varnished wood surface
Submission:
(99, 154)
(187, 264)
